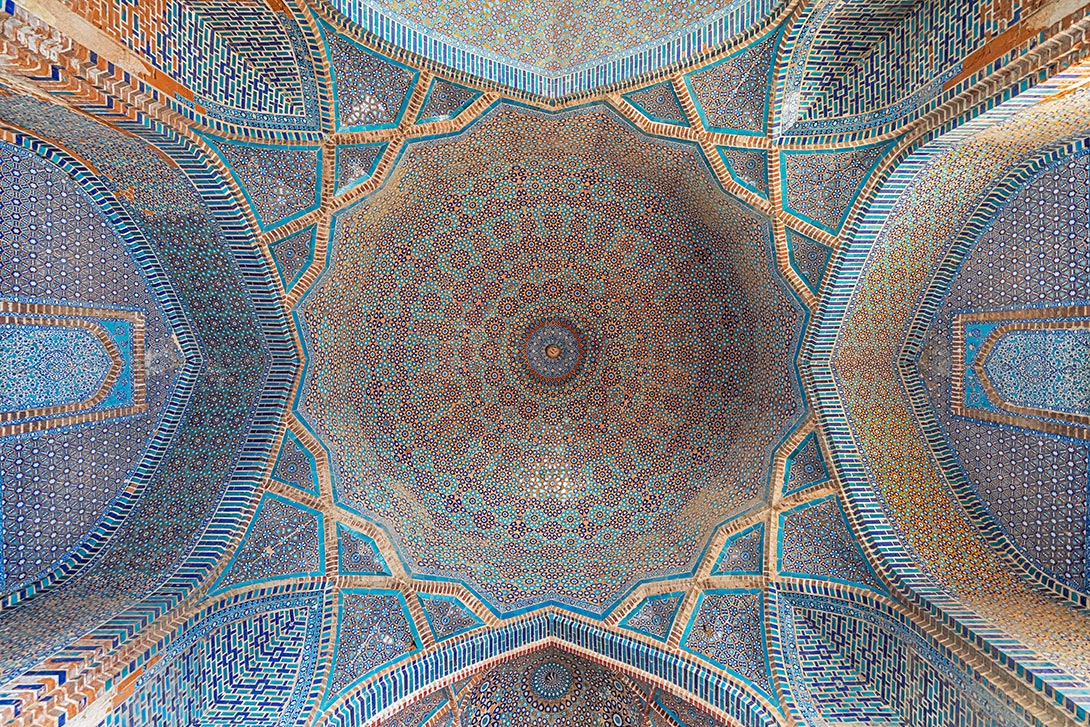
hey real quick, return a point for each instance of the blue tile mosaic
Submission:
(654, 615)
(358, 554)
(743, 553)
(447, 616)
(283, 540)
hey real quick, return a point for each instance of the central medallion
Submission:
(554, 350)
(551, 680)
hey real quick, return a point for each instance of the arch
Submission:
(465, 656)
(970, 584)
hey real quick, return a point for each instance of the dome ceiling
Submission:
(537, 364)
(550, 688)
(416, 365)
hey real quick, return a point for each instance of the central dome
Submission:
(550, 356)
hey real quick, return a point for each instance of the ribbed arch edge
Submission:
(463, 657)
(881, 538)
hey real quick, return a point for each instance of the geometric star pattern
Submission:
(727, 629)
(283, 540)
(815, 541)
(654, 615)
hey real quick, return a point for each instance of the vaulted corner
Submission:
(714, 364)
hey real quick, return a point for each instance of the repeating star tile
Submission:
(473, 238)
(57, 243)
(1035, 253)
(356, 163)
(727, 629)
(358, 554)
(445, 100)
(809, 258)
(748, 167)
(682, 713)
(815, 541)
(283, 540)
(295, 466)
(447, 616)
(821, 186)
(658, 103)
(372, 91)
(374, 630)
(731, 95)
(654, 615)
(805, 466)
(743, 553)
(280, 183)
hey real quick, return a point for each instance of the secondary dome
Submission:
(551, 356)
(551, 688)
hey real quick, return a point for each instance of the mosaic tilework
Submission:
(280, 183)
(448, 616)
(419, 712)
(295, 466)
(372, 91)
(815, 541)
(805, 466)
(358, 554)
(283, 540)
(727, 629)
(658, 103)
(47, 366)
(57, 485)
(252, 663)
(1042, 369)
(1024, 368)
(809, 258)
(293, 255)
(654, 615)
(706, 683)
(519, 42)
(683, 713)
(821, 187)
(374, 630)
(356, 163)
(748, 167)
(731, 95)
(482, 491)
(550, 688)
(1033, 255)
(242, 63)
(849, 664)
(445, 100)
(743, 553)
(68, 365)
(911, 503)
(840, 77)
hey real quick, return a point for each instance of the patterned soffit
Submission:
(554, 48)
